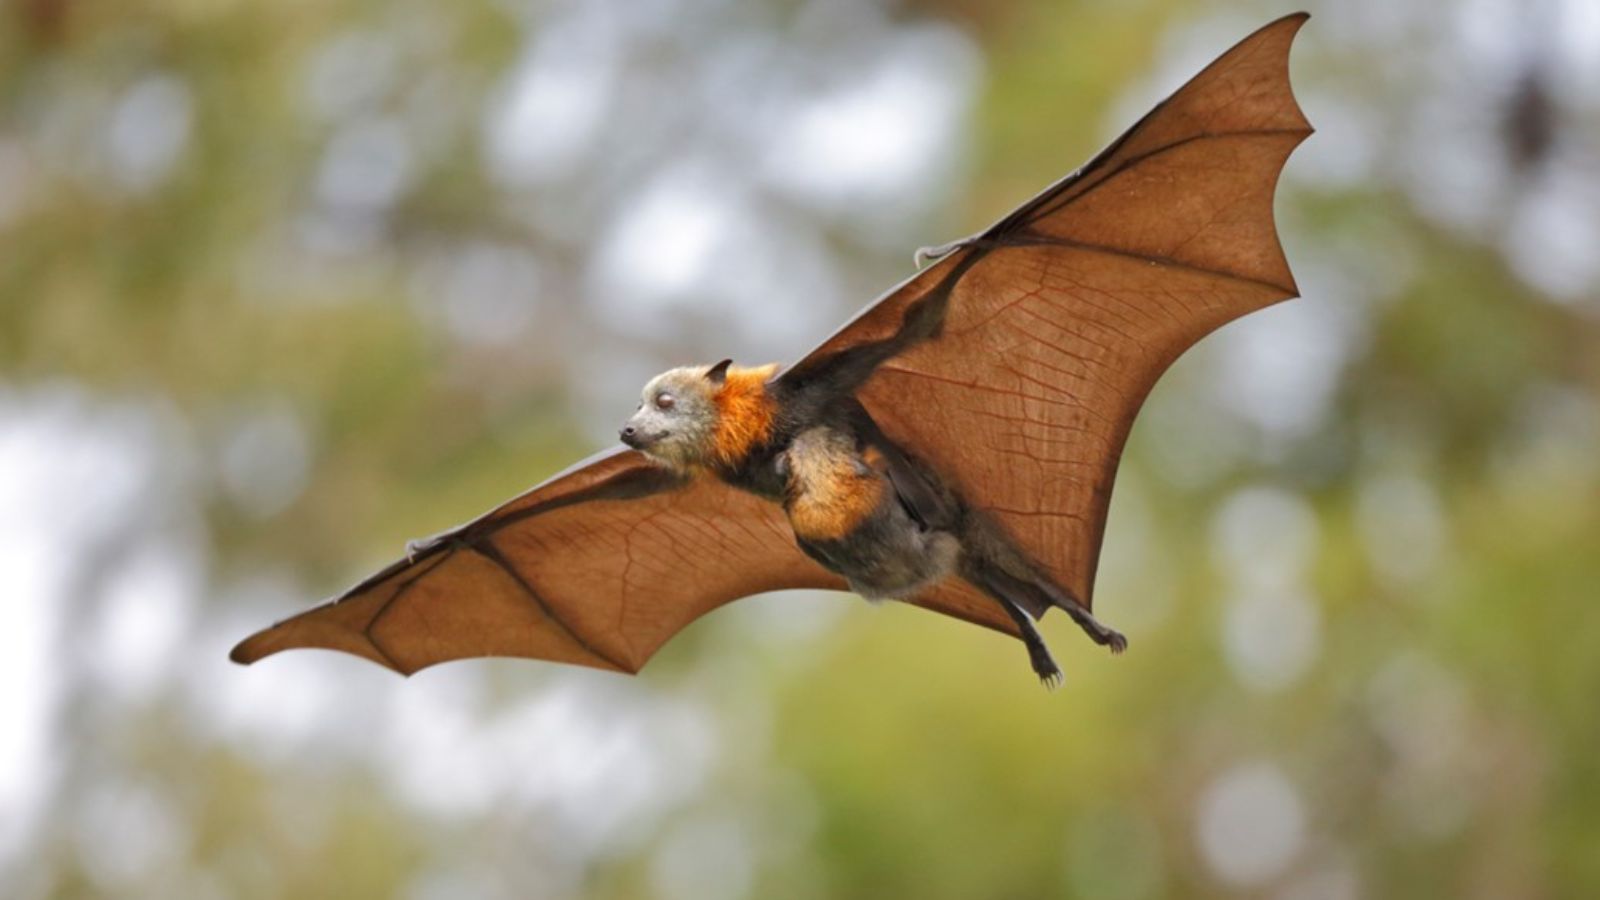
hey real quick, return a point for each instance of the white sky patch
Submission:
(483, 292)
(349, 74)
(602, 761)
(1271, 637)
(36, 570)
(1134, 565)
(1578, 42)
(1554, 230)
(697, 249)
(275, 710)
(1423, 713)
(149, 130)
(1184, 51)
(1461, 81)
(1345, 152)
(51, 446)
(367, 166)
(290, 707)
(1251, 824)
(127, 830)
(1402, 527)
(264, 459)
(1278, 368)
(885, 133)
(776, 280)
(144, 617)
(708, 857)
(1265, 540)
(1264, 537)
(665, 243)
(549, 110)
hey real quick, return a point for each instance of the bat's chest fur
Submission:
(889, 560)
(845, 515)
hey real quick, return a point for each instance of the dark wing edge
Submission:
(1035, 342)
(597, 566)
(1269, 44)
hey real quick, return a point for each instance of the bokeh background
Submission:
(285, 284)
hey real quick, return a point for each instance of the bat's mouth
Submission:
(638, 438)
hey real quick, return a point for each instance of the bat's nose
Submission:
(629, 435)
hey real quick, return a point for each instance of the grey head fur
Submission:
(676, 421)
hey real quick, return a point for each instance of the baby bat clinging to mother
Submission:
(953, 446)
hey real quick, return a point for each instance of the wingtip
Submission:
(249, 650)
(1297, 20)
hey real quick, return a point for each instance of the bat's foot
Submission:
(1100, 634)
(1002, 588)
(1044, 666)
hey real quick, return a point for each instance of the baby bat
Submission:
(953, 446)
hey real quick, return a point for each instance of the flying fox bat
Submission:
(953, 446)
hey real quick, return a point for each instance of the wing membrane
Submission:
(1033, 344)
(598, 566)
(1057, 321)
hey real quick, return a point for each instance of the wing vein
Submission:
(1044, 210)
(488, 550)
(1155, 259)
(389, 603)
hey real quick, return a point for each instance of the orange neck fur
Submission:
(745, 412)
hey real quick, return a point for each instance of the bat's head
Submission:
(676, 422)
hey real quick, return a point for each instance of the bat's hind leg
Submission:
(1011, 594)
(1044, 665)
(1101, 634)
(994, 564)
(1028, 593)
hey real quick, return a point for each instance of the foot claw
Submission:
(1116, 642)
(1045, 667)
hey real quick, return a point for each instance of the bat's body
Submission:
(867, 511)
(847, 515)
(953, 446)
(858, 504)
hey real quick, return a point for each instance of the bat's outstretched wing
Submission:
(1016, 364)
(598, 566)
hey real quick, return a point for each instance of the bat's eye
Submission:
(665, 401)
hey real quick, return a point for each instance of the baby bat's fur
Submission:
(846, 516)
(858, 504)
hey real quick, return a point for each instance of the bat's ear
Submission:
(718, 373)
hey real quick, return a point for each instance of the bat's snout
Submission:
(638, 438)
